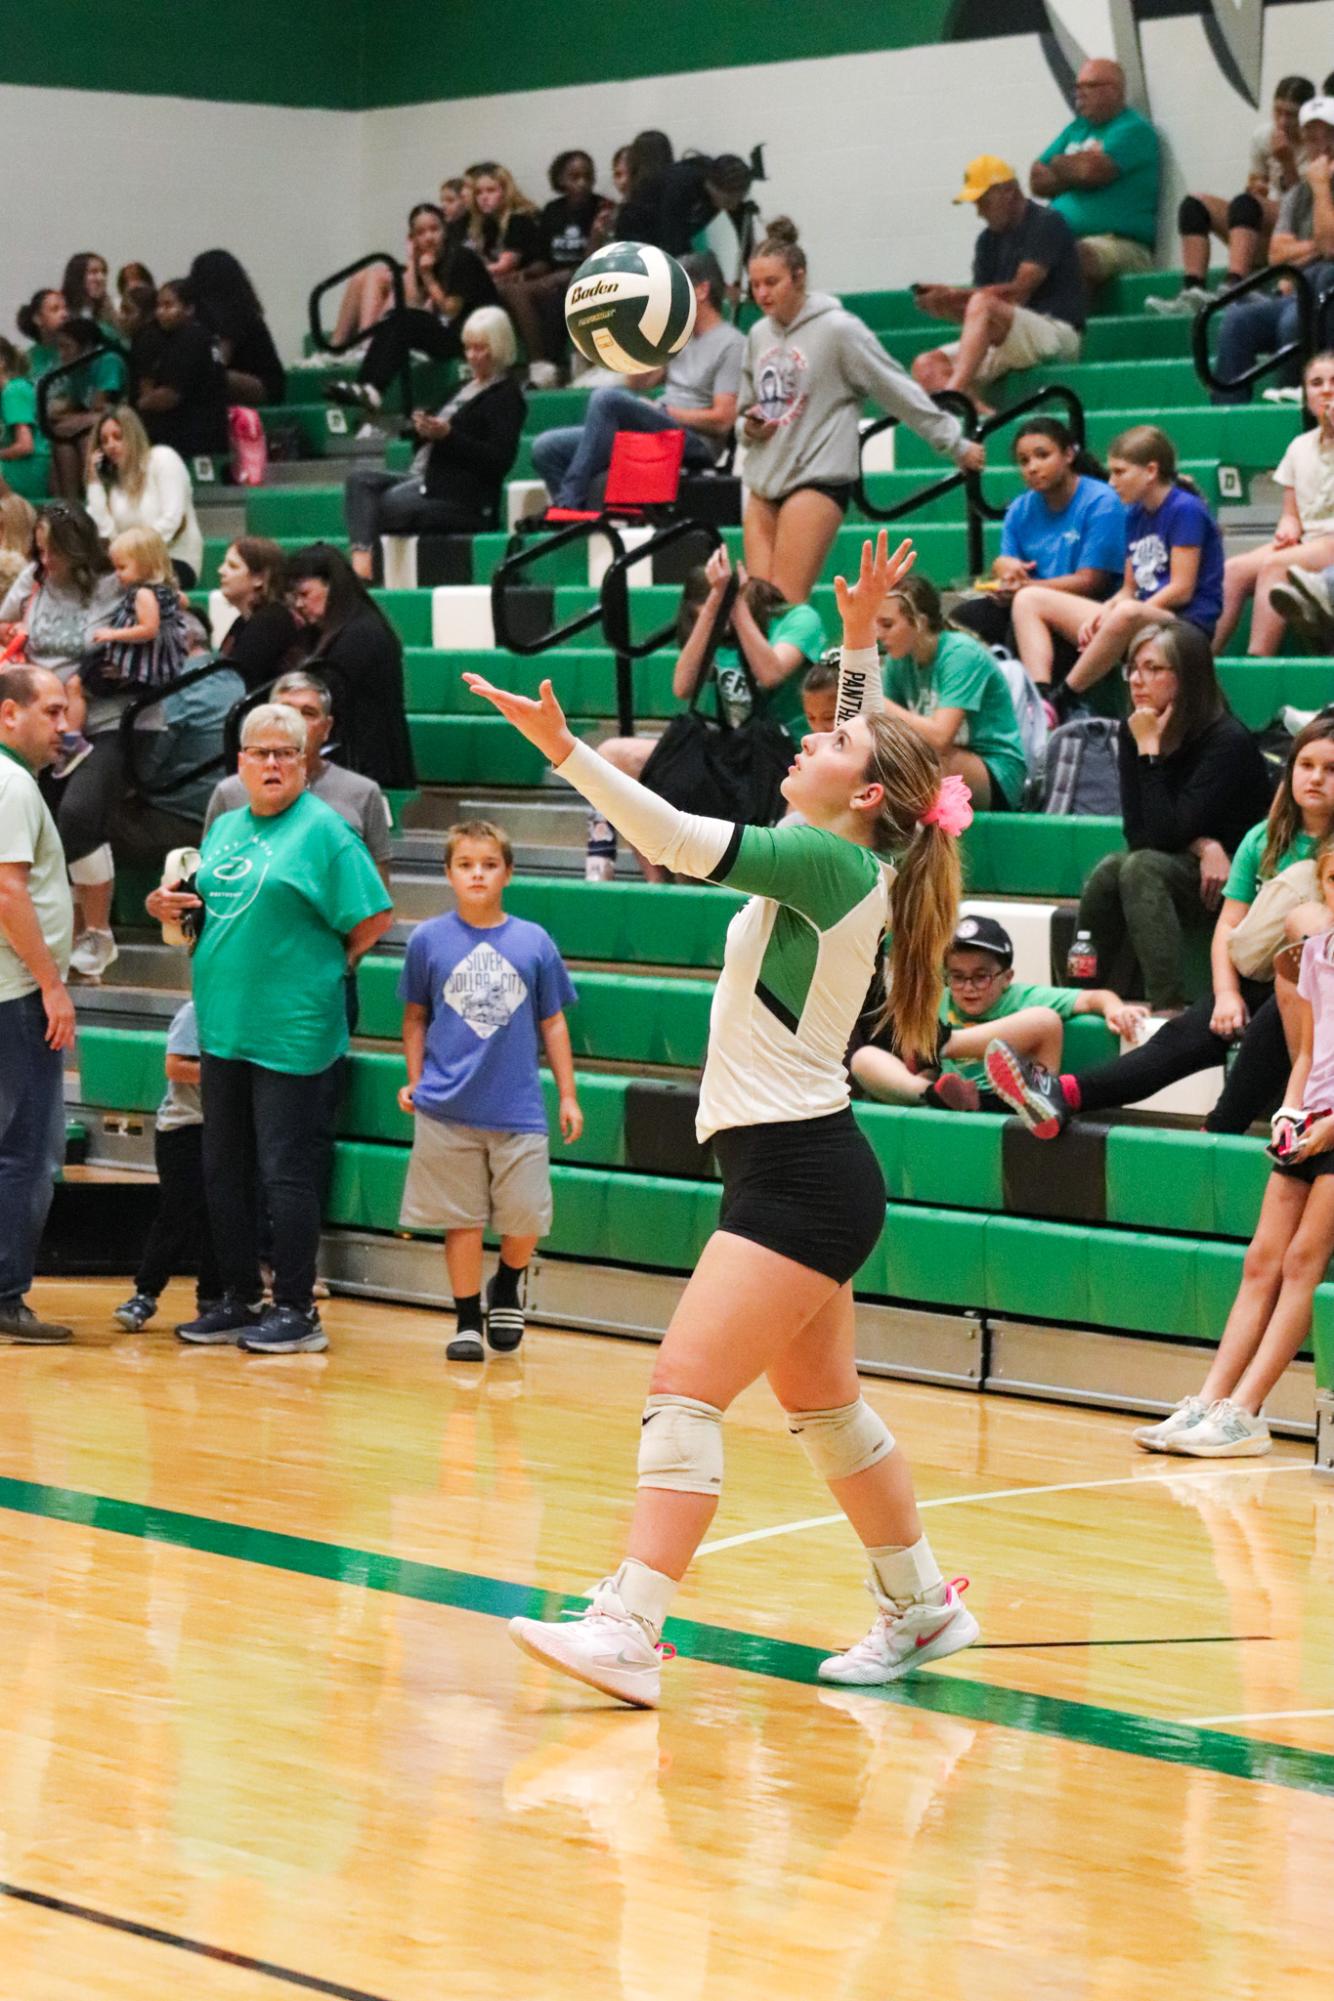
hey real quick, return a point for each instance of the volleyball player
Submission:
(803, 1199)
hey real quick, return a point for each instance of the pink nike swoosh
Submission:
(925, 1639)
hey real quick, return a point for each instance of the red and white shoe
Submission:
(905, 1637)
(609, 1648)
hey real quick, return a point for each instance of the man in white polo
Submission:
(36, 1012)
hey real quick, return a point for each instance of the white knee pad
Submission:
(98, 867)
(681, 1446)
(844, 1441)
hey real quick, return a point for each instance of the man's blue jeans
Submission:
(1259, 324)
(32, 1137)
(569, 460)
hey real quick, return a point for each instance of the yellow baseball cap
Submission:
(984, 173)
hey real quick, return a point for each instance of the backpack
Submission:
(1080, 772)
(1030, 711)
(249, 447)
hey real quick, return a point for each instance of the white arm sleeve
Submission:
(686, 843)
(860, 686)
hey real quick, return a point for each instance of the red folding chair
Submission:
(643, 477)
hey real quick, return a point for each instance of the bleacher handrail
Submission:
(1050, 392)
(325, 345)
(129, 735)
(614, 606)
(50, 376)
(519, 559)
(1308, 316)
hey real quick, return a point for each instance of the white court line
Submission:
(997, 1494)
(1256, 1716)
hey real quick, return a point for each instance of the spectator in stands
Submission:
(288, 888)
(947, 687)
(1246, 222)
(25, 450)
(354, 648)
(137, 309)
(1240, 1013)
(1174, 570)
(1067, 531)
(648, 160)
(369, 294)
(809, 366)
(39, 322)
(36, 1013)
(181, 391)
(980, 990)
(229, 308)
(90, 383)
(819, 693)
(18, 518)
(452, 287)
(699, 397)
(132, 281)
(464, 454)
(697, 189)
(132, 484)
(355, 799)
(174, 763)
(1192, 783)
(1026, 302)
(1303, 234)
(503, 225)
(1306, 524)
(63, 593)
(266, 635)
(534, 296)
(1101, 172)
(454, 208)
(85, 288)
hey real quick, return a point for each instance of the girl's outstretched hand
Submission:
(542, 722)
(880, 573)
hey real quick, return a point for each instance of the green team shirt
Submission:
(18, 405)
(1127, 206)
(1243, 883)
(282, 891)
(964, 676)
(798, 626)
(799, 956)
(1016, 996)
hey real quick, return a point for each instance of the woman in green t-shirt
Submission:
(39, 321)
(947, 686)
(24, 452)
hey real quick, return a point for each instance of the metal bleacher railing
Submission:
(325, 344)
(47, 380)
(1312, 317)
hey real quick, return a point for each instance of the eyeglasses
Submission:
(286, 755)
(1154, 667)
(961, 983)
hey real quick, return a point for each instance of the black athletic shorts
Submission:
(840, 491)
(810, 1189)
(1306, 1170)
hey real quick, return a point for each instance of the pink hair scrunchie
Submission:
(952, 808)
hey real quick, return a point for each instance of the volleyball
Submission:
(630, 307)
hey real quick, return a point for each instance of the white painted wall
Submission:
(161, 178)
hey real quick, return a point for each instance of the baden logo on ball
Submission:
(630, 307)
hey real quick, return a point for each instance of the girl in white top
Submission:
(132, 484)
(803, 1202)
(1304, 537)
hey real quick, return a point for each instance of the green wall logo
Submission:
(1073, 30)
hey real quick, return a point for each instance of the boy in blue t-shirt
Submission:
(480, 992)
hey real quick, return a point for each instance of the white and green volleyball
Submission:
(630, 307)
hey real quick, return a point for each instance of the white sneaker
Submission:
(93, 952)
(1291, 395)
(1182, 1417)
(1226, 1431)
(1185, 304)
(904, 1638)
(543, 375)
(609, 1648)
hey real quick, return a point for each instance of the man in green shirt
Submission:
(1102, 174)
(36, 1013)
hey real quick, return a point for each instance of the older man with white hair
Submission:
(1102, 173)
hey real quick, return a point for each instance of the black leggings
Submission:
(400, 335)
(88, 798)
(1253, 1087)
(180, 1239)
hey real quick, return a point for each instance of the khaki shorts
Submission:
(1114, 256)
(464, 1178)
(1033, 338)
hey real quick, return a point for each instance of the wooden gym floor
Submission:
(264, 1732)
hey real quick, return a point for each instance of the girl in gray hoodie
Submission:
(809, 367)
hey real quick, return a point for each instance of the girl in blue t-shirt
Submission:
(1174, 567)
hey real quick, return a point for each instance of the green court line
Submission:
(722, 1646)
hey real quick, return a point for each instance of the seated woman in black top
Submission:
(265, 638)
(450, 285)
(229, 308)
(694, 191)
(503, 228)
(648, 159)
(353, 647)
(1192, 783)
(466, 450)
(180, 389)
(534, 295)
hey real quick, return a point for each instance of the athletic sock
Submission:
(468, 1312)
(1074, 1097)
(907, 1574)
(505, 1285)
(645, 1593)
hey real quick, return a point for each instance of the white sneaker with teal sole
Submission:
(904, 1638)
(1226, 1431)
(1182, 1417)
(608, 1647)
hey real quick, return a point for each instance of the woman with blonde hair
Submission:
(18, 518)
(503, 226)
(134, 484)
(803, 1202)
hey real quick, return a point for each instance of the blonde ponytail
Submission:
(924, 897)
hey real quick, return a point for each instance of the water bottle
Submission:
(600, 850)
(1081, 966)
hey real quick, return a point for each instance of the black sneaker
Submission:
(466, 1346)
(136, 1313)
(285, 1330)
(504, 1324)
(1303, 603)
(355, 395)
(18, 1322)
(1031, 1092)
(220, 1325)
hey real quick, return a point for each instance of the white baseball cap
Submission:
(1318, 110)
